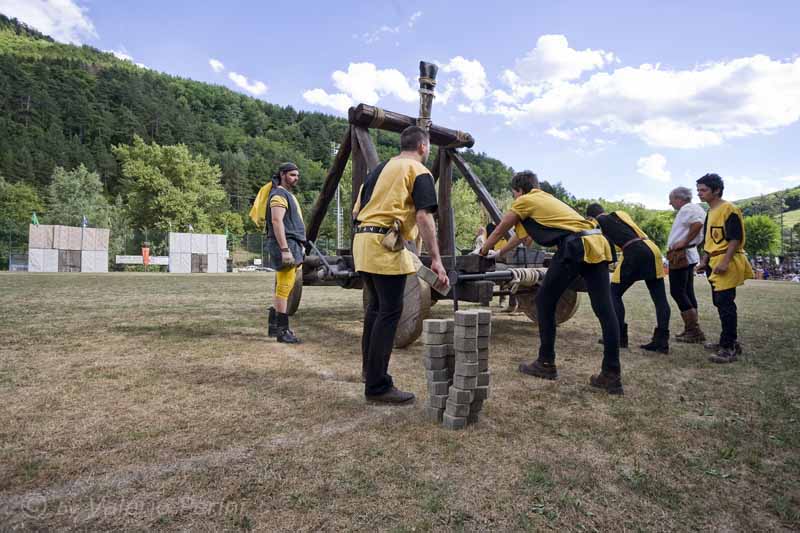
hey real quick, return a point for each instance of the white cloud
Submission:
(413, 20)
(375, 35)
(692, 108)
(654, 166)
(63, 20)
(470, 78)
(340, 102)
(362, 83)
(791, 179)
(216, 65)
(125, 56)
(255, 87)
(738, 187)
(652, 199)
(553, 60)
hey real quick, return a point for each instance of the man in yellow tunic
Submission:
(398, 195)
(582, 251)
(724, 262)
(642, 260)
(277, 208)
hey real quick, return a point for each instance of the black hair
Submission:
(525, 181)
(284, 167)
(592, 210)
(713, 182)
(412, 137)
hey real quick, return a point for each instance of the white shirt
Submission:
(687, 215)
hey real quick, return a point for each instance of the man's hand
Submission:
(287, 259)
(701, 265)
(677, 245)
(722, 267)
(443, 281)
(492, 253)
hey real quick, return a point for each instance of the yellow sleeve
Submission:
(279, 201)
(519, 208)
(519, 229)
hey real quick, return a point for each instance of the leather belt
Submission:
(372, 229)
(637, 239)
(722, 252)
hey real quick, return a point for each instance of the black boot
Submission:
(623, 336)
(659, 343)
(284, 333)
(273, 323)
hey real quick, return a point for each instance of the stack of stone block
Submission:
(439, 361)
(468, 370)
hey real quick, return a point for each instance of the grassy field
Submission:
(790, 218)
(156, 402)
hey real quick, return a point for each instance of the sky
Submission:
(616, 99)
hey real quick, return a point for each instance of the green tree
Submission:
(467, 214)
(762, 235)
(17, 202)
(657, 227)
(73, 194)
(169, 188)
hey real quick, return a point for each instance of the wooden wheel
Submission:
(416, 308)
(565, 309)
(294, 297)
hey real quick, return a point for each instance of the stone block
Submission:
(461, 395)
(466, 332)
(433, 414)
(480, 393)
(461, 344)
(457, 409)
(435, 325)
(466, 369)
(436, 375)
(435, 364)
(454, 422)
(484, 316)
(483, 355)
(483, 365)
(469, 356)
(483, 379)
(483, 343)
(438, 388)
(438, 401)
(465, 382)
(466, 318)
(436, 338)
(473, 418)
(436, 351)
(484, 330)
(476, 406)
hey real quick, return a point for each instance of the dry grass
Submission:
(156, 402)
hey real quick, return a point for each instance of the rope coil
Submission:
(525, 277)
(377, 118)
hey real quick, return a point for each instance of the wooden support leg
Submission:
(329, 186)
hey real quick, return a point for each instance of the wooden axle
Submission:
(369, 116)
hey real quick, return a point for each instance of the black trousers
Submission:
(380, 325)
(658, 294)
(725, 302)
(559, 276)
(681, 287)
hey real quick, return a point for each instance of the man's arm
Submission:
(277, 225)
(722, 267)
(694, 229)
(427, 229)
(508, 221)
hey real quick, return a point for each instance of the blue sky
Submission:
(615, 99)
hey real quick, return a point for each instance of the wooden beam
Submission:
(477, 185)
(447, 245)
(369, 116)
(328, 192)
(367, 148)
(435, 166)
(359, 167)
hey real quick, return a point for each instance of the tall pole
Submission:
(339, 236)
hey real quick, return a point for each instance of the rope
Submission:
(427, 81)
(377, 118)
(525, 277)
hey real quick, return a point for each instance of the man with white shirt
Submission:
(682, 254)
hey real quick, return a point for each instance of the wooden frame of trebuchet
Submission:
(472, 277)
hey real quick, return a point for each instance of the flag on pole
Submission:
(34, 219)
(84, 222)
(191, 228)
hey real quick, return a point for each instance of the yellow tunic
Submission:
(615, 278)
(716, 243)
(547, 220)
(391, 200)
